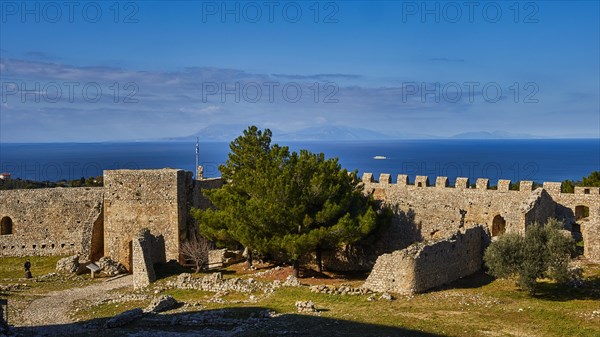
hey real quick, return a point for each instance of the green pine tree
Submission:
(287, 205)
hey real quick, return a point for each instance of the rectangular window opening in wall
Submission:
(586, 191)
(43, 246)
(52, 246)
(34, 246)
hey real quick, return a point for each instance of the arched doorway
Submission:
(6, 226)
(498, 225)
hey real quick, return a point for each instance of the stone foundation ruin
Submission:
(422, 266)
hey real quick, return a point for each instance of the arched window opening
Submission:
(498, 225)
(581, 212)
(6, 226)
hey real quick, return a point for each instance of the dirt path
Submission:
(53, 310)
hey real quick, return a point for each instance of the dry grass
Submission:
(474, 306)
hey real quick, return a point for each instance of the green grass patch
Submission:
(12, 267)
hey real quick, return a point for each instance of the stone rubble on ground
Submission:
(386, 296)
(268, 272)
(48, 277)
(110, 267)
(342, 290)
(291, 281)
(121, 299)
(306, 306)
(216, 283)
(68, 264)
(13, 287)
(162, 303)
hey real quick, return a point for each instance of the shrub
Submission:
(544, 251)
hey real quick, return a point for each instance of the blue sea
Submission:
(537, 160)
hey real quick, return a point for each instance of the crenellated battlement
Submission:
(438, 207)
(503, 185)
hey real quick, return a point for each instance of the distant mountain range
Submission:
(493, 135)
(226, 133)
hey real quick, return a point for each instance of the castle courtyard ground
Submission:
(474, 306)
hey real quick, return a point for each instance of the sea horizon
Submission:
(540, 160)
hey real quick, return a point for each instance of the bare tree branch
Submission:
(196, 249)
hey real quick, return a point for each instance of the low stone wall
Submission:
(143, 266)
(423, 266)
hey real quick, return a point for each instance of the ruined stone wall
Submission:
(52, 221)
(153, 199)
(438, 211)
(566, 210)
(425, 212)
(423, 266)
(144, 244)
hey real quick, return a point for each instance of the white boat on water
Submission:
(380, 157)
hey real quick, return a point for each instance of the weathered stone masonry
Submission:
(421, 266)
(431, 216)
(144, 244)
(57, 221)
(158, 200)
(95, 222)
(440, 210)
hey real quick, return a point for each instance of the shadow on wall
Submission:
(225, 321)
(565, 214)
(158, 249)
(401, 232)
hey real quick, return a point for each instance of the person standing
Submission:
(27, 267)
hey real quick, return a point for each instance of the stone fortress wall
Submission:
(440, 232)
(153, 199)
(53, 221)
(105, 221)
(432, 211)
(581, 213)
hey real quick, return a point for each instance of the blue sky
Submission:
(168, 69)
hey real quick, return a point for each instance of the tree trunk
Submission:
(197, 267)
(318, 254)
(296, 268)
(249, 259)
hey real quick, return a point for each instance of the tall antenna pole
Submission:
(197, 156)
